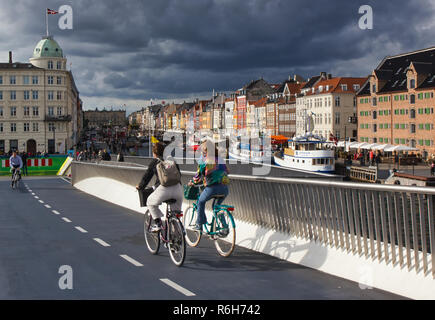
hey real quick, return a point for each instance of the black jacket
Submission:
(150, 173)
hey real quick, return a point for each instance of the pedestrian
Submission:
(24, 158)
(120, 157)
(371, 157)
(432, 168)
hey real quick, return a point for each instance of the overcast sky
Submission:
(127, 52)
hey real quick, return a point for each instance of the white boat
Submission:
(249, 152)
(308, 153)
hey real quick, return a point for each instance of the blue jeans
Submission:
(206, 195)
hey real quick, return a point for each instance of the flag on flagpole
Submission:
(49, 11)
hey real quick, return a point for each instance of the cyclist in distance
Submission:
(212, 172)
(161, 193)
(15, 162)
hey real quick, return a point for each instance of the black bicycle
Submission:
(171, 234)
(15, 180)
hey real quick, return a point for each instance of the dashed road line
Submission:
(41, 201)
(36, 197)
(66, 219)
(47, 206)
(131, 260)
(81, 229)
(69, 182)
(55, 212)
(177, 287)
(103, 243)
(33, 194)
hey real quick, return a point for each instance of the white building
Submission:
(330, 102)
(39, 102)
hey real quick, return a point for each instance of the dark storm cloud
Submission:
(179, 47)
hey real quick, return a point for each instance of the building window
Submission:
(26, 80)
(13, 127)
(1, 127)
(59, 95)
(13, 95)
(26, 111)
(1, 79)
(1, 111)
(51, 127)
(35, 95)
(344, 87)
(1, 95)
(59, 111)
(337, 118)
(412, 83)
(412, 114)
(35, 111)
(13, 111)
(35, 126)
(59, 65)
(412, 99)
(374, 88)
(34, 79)
(50, 80)
(26, 127)
(59, 80)
(50, 95)
(50, 64)
(51, 111)
(374, 102)
(26, 95)
(12, 80)
(337, 101)
(412, 128)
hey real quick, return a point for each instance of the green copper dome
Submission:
(47, 47)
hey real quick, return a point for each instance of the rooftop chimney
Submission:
(329, 76)
(10, 56)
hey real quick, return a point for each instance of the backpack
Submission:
(168, 173)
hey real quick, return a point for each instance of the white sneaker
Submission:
(155, 228)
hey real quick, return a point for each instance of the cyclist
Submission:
(15, 163)
(213, 174)
(161, 193)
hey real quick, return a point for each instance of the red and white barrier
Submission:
(31, 163)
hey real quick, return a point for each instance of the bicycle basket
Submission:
(191, 192)
(143, 196)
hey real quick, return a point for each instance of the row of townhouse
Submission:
(275, 109)
(393, 105)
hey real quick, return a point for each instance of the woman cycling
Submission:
(213, 173)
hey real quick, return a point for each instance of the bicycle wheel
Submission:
(225, 238)
(189, 220)
(177, 243)
(152, 239)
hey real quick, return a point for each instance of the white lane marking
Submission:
(66, 220)
(178, 287)
(47, 206)
(41, 201)
(81, 229)
(33, 194)
(69, 182)
(55, 212)
(30, 190)
(103, 243)
(36, 197)
(131, 260)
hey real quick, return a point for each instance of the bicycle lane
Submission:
(244, 275)
(36, 243)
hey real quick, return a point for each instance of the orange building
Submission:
(396, 104)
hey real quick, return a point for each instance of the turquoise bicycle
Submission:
(221, 228)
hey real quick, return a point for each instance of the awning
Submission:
(400, 148)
